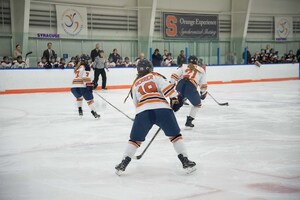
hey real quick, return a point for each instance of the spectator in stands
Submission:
(165, 54)
(62, 63)
(298, 55)
(17, 52)
(156, 58)
(53, 63)
(268, 49)
(5, 63)
(290, 57)
(72, 62)
(181, 58)
(95, 52)
(248, 54)
(126, 62)
(48, 53)
(141, 57)
(114, 57)
(168, 61)
(42, 63)
(99, 66)
(18, 63)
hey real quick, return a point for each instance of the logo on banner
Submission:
(72, 22)
(283, 29)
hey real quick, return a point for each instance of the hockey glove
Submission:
(90, 87)
(176, 103)
(203, 94)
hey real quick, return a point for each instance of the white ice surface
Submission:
(247, 151)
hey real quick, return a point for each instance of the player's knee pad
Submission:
(175, 138)
(137, 144)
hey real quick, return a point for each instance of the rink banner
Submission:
(283, 28)
(190, 26)
(71, 21)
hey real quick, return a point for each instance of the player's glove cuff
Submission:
(203, 94)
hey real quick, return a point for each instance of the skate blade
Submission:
(119, 172)
(190, 170)
(188, 128)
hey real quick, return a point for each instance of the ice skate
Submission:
(80, 112)
(122, 166)
(188, 122)
(95, 114)
(188, 166)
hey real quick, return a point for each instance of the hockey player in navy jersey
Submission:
(149, 93)
(189, 77)
(82, 86)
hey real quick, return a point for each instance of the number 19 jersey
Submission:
(149, 92)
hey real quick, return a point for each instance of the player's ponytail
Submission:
(77, 66)
(193, 67)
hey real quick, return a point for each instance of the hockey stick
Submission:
(114, 106)
(220, 104)
(141, 155)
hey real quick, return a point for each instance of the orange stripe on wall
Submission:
(40, 90)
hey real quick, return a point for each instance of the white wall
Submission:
(57, 78)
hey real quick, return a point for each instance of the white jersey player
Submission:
(149, 93)
(189, 77)
(82, 86)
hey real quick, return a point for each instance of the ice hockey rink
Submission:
(249, 150)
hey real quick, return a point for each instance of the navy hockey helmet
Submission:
(193, 60)
(144, 67)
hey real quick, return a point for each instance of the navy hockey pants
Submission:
(189, 91)
(79, 92)
(144, 121)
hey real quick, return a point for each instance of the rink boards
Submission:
(14, 81)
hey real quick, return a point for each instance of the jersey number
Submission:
(148, 87)
(191, 74)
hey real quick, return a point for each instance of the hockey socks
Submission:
(178, 145)
(194, 111)
(92, 107)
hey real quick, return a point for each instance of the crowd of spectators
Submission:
(50, 60)
(269, 55)
(167, 59)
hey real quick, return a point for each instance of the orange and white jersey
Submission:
(149, 92)
(88, 76)
(197, 76)
(82, 77)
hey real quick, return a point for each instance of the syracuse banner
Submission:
(283, 28)
(185, 26)
(71, 21)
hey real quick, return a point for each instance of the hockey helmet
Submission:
(144, 67)
(193, 60)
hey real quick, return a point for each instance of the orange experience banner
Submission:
(185, 26)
